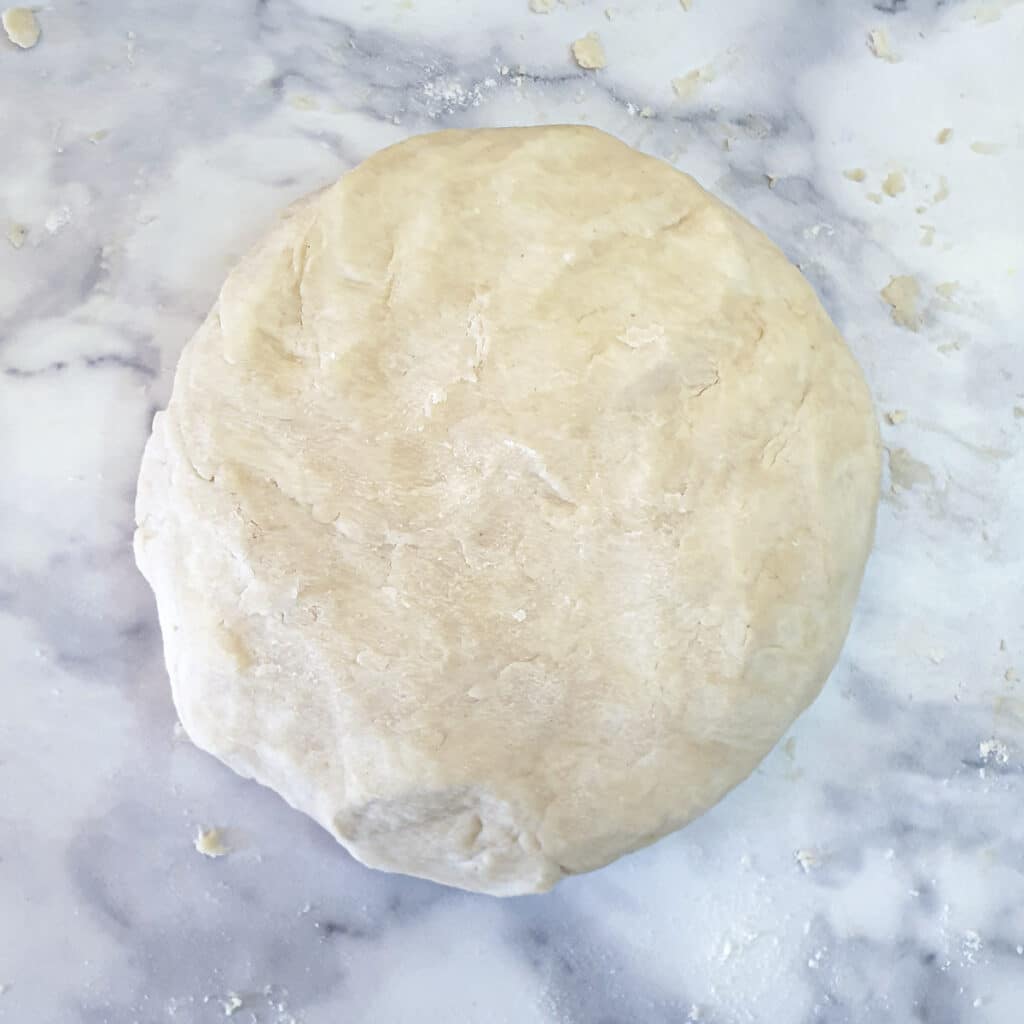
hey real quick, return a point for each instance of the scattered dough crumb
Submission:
(947, 288)
(987, 148)
(942, 192)
(1018, 412)
(16, 235)
(880, 46)
(944, 136)
(98, 136)
(646, 112)
(993, 750)
(855, 174)
(896, 417)
(874, 197)
(808, 860)
(772, 180)
(1010, 675)
(686, 85)
(21, 27)
(894, 183)
(210, 842)
(927, 234)
(300, 101)
(686, 4)
(541, 6)
(908, 472)
(902, 293)
(609, 13)
(589, 52)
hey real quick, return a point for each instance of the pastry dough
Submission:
(510, 504)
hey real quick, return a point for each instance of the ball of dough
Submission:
(510, 504)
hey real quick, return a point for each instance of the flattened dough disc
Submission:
(511, 502)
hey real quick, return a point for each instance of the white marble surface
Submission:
(143, 146)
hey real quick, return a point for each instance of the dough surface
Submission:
(510, 504)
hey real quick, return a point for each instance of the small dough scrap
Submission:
(686, 86)
(881, 46)
(896, 417)
(21, 27)
(987, 148)
(903, 293)
(589, 53)
(855, 174)
(894, 184)
(16, 235)
(210, 842)
(944, 136)
(542, 6)
(510, 504)
(907, 472)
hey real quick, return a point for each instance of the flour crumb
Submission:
(638, 337)
(947, 288)
(903, 293)
(1010, 675)
(542, 6)
(987, 148)
(970, 947)
(686, 86)
(894, 184)
(21, 27)
(16, 235)
(589, 53)
(808, 860)
(855, 174)
(927, 235)
(944, 136)
(231, 1004)
(610, 12)
(686, 4)
(881, 46)
(57, 219)
(874, 197)
(210, 842)
(942, 192)
(993, 750)
(896, 417)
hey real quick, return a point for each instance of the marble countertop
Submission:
(872, 870)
